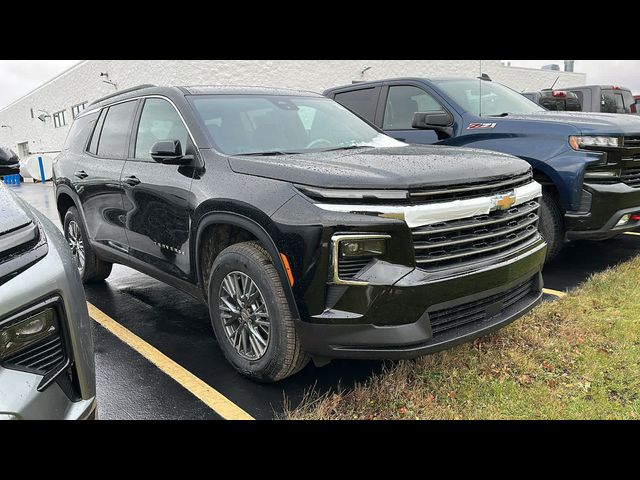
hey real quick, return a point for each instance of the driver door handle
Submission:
(132, 180)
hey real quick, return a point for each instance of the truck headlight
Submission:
(594, 141)
(18, 336)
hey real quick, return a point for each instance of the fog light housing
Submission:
(363, 247)
(16, 337)
(623, 220)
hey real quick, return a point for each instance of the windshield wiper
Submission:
(504, 114)
(348, 147)
(266, 154)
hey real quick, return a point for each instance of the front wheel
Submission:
(551, 223)
(251, 316)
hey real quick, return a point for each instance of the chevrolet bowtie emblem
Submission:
(504, 202)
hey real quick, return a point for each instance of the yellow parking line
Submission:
(632, 233)
(556, 293)
(206, 393)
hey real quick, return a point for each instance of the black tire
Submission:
(551, 223)
(94, 269)
(283, 356)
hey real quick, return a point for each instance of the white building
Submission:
(39, 121)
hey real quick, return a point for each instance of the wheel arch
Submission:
(255, 229)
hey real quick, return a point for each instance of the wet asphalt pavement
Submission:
(131, 387)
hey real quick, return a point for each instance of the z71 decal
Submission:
(473, 126)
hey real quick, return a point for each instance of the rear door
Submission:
(97, 175)
(363, 101)
(156, 196)
(617, 100)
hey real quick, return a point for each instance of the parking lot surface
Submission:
(156, 356)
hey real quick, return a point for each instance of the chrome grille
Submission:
(455, 242)
(449, 318)
(470, 190)
(631, 176)
(632, 141)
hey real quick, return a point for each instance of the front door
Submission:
(97, 176)
(402, 102)
(156, 196)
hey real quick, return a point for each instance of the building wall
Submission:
(84, 83)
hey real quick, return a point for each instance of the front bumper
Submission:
(53, 275)
(398, 320)
(609, 203)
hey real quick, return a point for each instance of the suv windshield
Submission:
(275, 124)
(487, 99)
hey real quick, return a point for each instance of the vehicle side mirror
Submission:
(9, 162)
(439, 122)
(169, 152)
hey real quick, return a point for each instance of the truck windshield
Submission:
(487, 99)
(279, 124)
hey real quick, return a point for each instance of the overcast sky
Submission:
(625, 73)
(18, 77)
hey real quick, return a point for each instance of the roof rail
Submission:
(122, 92)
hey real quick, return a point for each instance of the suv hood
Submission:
(16, 226)
(587, 122)
(396, 167)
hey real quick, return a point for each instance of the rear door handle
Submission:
(132, 180)
(81, 174)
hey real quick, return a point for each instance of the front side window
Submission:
(487, 99)
(114, 137)
(159, 121)
(402, 102)
(254, 124)
(59, 119)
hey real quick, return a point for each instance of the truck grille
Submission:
(631, 176)
(632, 141)
(449, 318)
(455, 242)
(470, 190)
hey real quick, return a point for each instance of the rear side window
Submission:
(79, 133)
(114, 135)
(402, 102)
(616, 101)
(362, 101)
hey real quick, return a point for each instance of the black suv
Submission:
(307, 231)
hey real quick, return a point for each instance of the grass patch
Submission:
(577, 357)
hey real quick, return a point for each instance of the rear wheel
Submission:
(251, 316)
(91, 268)
(551, 223)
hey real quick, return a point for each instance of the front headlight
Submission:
(19, 336)
(591, 141)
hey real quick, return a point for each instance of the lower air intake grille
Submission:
(347, 269)
(448, 318)
(40, 358)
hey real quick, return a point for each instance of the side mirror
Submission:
(169, 152)
(9, 162)
(440, 122)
